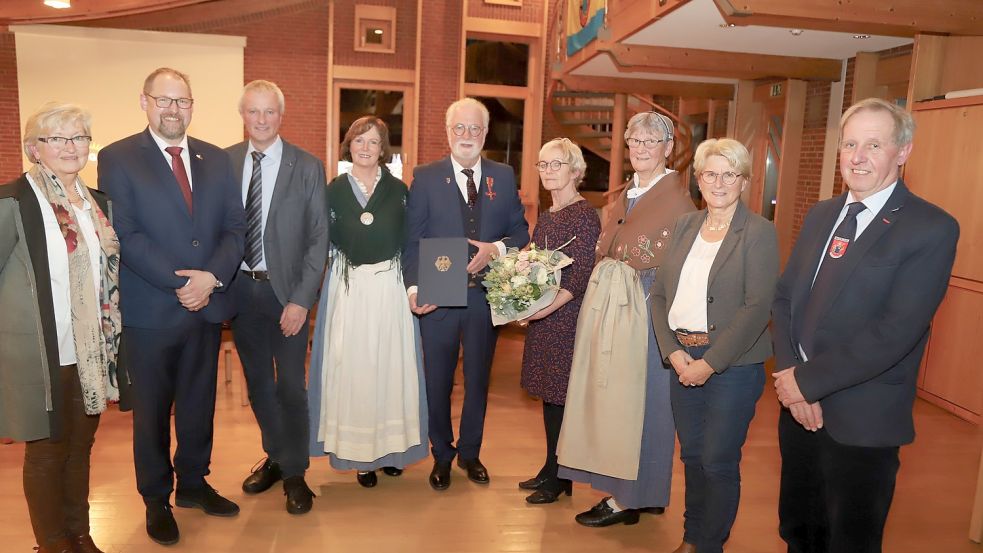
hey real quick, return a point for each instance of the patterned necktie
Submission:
(254, 214)
(825, 286)
(180, 173)
(472, 189)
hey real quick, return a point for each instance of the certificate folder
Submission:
(443, 277)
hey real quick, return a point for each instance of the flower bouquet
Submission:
(520, 283)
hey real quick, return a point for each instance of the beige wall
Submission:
(103, 70)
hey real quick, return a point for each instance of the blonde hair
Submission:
(49, 117)
(904, 123)
(260, 85)
(571, 154)
(733, 151)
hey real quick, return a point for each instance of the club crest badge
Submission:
(443, 263)
(838, 247)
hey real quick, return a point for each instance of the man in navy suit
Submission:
(851, 319)
(468, 196)
(181, 226)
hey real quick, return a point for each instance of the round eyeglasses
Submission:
(60, 142)
(165, 102)
(728, 178)
(554, 165)
(460, 128)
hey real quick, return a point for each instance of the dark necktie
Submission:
(825, 286)
(472, 189)
(254, 214)
(180, 173)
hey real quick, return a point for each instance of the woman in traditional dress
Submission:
(59, 341)
(618, 433)
(548, 352)
(366, 388)
(710, 306)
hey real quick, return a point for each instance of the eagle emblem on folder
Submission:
(443, 263)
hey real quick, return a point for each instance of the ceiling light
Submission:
(727, 25)
(58, 4)
(377, 31)
(861, 37)
(795, 32)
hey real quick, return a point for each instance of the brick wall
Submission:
(11, 156)
(440, 62)
(531, 11)
(811, 154)
(851, 67)
(405, 55)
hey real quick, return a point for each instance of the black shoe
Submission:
(603, 515)
(206, 499)
(476, 471)
(392, 471)
(544, 495)
(300, 498)
(161, 526)
(440, 476)
(533, 483)
(652, 510)
(262, 478)
(367, 479)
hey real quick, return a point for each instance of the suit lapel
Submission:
(737, 224)
(816, 245)
(163, 174)
(288, 159)
(198, 188)
(450, 190)
(238, 156)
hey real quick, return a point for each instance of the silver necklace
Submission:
(710, 227)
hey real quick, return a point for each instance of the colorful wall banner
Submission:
(584, 19)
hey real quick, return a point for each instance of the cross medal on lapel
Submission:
(490, 185)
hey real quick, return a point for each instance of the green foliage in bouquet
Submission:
(518, 279)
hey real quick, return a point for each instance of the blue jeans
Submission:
(712, 422)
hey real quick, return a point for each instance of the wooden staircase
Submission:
(587, 119)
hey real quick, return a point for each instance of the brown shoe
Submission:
(63, 545)
(84, 544)
(685, 548)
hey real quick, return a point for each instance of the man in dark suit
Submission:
(181, 227)
(468, 196)
(851, 319)
(283, 191)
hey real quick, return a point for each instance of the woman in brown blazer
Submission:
(710, 305)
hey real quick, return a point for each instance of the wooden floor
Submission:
(930, 513)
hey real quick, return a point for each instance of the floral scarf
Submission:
(96, 338)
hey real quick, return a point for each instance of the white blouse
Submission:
(689, 307)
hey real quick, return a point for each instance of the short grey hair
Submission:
(259, 85)
(49, 117)
(651, 121)
(467, 102)
(148, 83)
(904, 123)
(571, 154)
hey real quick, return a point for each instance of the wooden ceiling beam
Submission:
(632, 58)
(647, 86)
(883, 17)
(38, 13)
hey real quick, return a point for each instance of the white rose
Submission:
(542, 276)
(519, 280)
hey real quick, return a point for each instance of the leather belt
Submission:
(692, 339)
(258, 276)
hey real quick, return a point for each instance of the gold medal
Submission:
(366, 218)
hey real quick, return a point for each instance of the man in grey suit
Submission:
(283, 191)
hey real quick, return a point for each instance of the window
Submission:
(375, 29)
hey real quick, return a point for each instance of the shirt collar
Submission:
(636, 190)
(875, 201)
(161, 143)
(274, 152)
(458, 168)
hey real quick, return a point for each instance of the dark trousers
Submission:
(274, 370)
(833, 497)
(442, 339)
(552, 421)
(172, 366)
(712, 423)
(56, 472)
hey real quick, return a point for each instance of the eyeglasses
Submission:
(554, 165)
(728, 178)
(60, 142)
(648, 142)
(165, 102)
(460, 128)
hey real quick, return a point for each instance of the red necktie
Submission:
(177, 165)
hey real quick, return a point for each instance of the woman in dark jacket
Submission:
(710, 305)
(60, 330)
